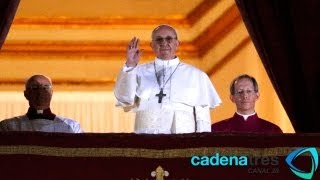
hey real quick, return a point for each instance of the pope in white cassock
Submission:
(167, 95)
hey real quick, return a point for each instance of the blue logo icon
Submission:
(314, 158)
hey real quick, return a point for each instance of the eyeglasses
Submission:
(241, 92)
(168, 39)
(39, 87)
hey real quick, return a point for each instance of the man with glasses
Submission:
(244, 92)
(168, 96)
(38, 91)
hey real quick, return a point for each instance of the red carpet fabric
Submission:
(36, 155)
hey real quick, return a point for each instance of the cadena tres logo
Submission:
(314, 160)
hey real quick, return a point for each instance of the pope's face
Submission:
(244, 97)
(164, 43)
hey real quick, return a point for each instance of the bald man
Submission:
(38, 92)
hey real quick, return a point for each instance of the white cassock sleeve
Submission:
(125, 88)
(203, 119)
(211, 98)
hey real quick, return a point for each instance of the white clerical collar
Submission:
(167, 63)
(40, 111)
(245, 116)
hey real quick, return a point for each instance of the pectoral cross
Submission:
(160, 95)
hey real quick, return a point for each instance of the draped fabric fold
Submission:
(8, 9)
(286, 36)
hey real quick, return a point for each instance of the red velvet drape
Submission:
(8, 9)
(286, 34)
(52, 156)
